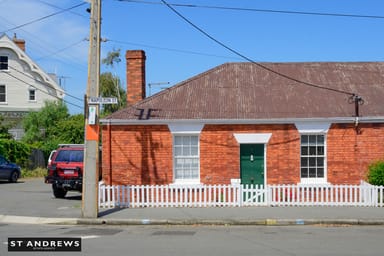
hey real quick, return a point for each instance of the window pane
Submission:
(186, 151)
(304, 151)
(186, 140)
(304, 172)
(312, 140)
(312, 151)
(304, 139)
(304, 162)
(194, 140)
(178, 140)
(312, 162)
(312, 173)
(320, 140)
(320, 161)
(178, 151)
(320, 172)
(320, 151)
(194, 151)
(32, 94)
(3, 62)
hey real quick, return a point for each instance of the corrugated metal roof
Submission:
(248, 91)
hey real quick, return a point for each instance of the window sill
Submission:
(183, 184)
(313, 181)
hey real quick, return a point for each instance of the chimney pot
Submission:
(19, 42)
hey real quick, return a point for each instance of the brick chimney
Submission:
(135, 76)
(19, 42)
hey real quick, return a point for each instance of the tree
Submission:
(70, 130)
(4, 127)
(53, 125)
(39, 125)
(112, 58)
(110, 85)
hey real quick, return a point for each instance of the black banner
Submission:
(40, 244)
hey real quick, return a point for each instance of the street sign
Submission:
(101, 100)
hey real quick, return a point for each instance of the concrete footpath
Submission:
(31, 202)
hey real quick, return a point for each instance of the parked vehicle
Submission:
(50, 157)
(65, 169)
(9, 171)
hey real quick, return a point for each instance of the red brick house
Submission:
(249, 123)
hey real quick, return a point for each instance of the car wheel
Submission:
(14, 176)
(58, 192)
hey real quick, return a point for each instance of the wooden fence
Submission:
(239, 195)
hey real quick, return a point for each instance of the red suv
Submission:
(65, 170)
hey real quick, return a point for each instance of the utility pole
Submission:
(91, 144)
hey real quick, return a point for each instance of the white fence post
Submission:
(237, 195)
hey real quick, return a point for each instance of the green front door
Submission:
(252, 163)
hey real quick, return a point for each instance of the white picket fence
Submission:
(111, 196)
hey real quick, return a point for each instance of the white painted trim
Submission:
(185, 128)
(312, 127)
(333, 120)
(252, 138)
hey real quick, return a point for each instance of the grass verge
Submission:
(35, 173)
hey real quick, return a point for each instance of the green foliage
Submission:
(112, 58)
(15, 151)
(53, 125)
(39, 126)
(35, 173)
(376, 173)
(110, 86)
(4, 127)
(70, 130)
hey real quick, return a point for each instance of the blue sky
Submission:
(176, 51)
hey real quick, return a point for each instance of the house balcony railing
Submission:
(237, 195)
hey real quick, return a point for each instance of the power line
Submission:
(79, 99)
(259, 10)
(171, 49)
(42, 90)
(62, 49)
(42, 18)
(57, 7)
(250, 60)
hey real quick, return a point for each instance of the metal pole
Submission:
(91, 144)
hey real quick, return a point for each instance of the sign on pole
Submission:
(101, 100)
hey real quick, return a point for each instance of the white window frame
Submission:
(316, 180)
(29, 94)
(5, 94)
(314, 128)
(183, 129)
(192, 157)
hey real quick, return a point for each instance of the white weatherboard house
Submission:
(24, 86)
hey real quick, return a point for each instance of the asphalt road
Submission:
(34, 198)
(207, 240)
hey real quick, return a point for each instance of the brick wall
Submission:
(349, 153)
(143, 154)
(135, 65)
(137, 155)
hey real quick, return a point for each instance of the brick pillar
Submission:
(135, 76)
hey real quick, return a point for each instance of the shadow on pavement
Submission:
(109, 211)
